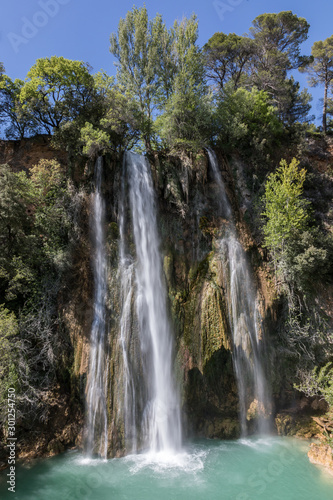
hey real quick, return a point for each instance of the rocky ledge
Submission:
(321, 454)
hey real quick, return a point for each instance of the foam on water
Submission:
(162, 462)
(257, 443)
(93, 462)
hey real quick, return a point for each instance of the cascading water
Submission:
(96, 428)
(160, 420)
(244, 317)
(128, 406)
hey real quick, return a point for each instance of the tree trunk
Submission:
(325, 108)
(147, 143)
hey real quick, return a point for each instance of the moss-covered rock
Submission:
(294, 424)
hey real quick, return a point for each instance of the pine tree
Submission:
(320, 69)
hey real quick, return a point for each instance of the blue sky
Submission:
(80, 29)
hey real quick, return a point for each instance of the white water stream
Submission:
(244, 317)
(96, 426)
(160, 420)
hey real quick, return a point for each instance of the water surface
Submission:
(247, 469)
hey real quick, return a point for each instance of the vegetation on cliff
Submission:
(302, 257)
(39, 216)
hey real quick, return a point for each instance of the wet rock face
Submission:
(189, 221)
(296, 424)
(191, 228)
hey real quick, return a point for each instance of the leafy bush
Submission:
(8, 370)
(301, 253)
(307, 259)
(38, 224)
(285, 210)
(246, 121)
(318, 382)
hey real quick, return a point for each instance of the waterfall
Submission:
(128, 407)
(160, 421)
(96, 428)
(244, 317)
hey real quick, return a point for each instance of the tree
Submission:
(276, 34)
(247, 121)
(277, 39)
(286, 217)
(38, 225)
(285, 208)
(307, 259)
(15, 197)
(115, 125)
(293, 103)
(320, 69)
(187, 114)
(16, 239)
(166, 63)
(56, 91)
(21, 122)
(34, 228)
(226, 58)
(135, 46)
(163, 71)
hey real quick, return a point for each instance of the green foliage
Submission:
(96, 141)
(163, 71)
(319, 381)
(56, 91)
(285, 211)
(34, 228)
(263, 61)
(21, 122)
(187, 111)
(161, 97)
(301, 254)
(51, 220)
(245, 120)
(8, 372)
(307, 259)
(293, 104)
(277, 39)
(282, 33)
(320, 69)
(320, 65)
(135, 46)
(115, 124)
(227, 58)
(16, 240)
(38, 226)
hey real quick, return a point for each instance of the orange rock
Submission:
(321, 454)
